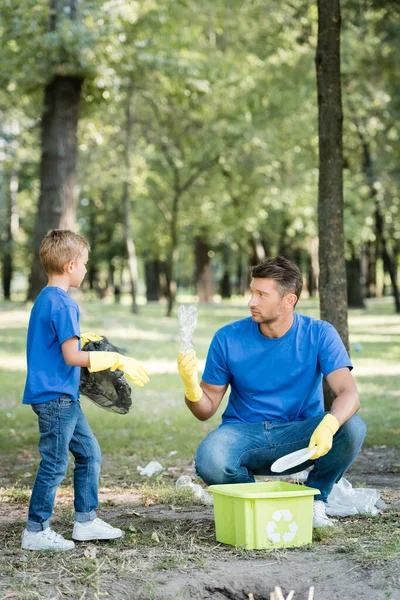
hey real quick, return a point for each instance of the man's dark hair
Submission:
(285, 272)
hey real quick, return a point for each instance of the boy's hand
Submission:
(187, 368)
(323, 436)
(89, 336)
(100, 361)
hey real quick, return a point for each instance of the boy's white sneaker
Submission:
(95, 530)
(45, 540)
(320, 518)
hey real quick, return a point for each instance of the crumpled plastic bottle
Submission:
(187, 315)
(201, 494)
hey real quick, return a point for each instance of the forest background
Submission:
(181, 138)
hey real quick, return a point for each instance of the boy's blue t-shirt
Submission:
(54, 319)
(274, 379)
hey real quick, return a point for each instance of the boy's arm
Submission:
(73, 356)
(100, 361)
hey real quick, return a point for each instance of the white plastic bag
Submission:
(344, 500)
(151, 469)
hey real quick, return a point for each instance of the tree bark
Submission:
(332, 277)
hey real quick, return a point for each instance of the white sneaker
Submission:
(45, 540)
(95, 530)
(320, 518)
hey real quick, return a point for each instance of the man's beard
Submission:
(270, 319)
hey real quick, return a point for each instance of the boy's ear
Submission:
(69, 266)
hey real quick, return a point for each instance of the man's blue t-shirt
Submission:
(274, 379)
(54, 319)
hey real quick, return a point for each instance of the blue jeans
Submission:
(235, 452)
(63, 427)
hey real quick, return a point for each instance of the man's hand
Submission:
(323, 436)
(187, 368)
(100, 361)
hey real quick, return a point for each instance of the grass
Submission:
(161, 428)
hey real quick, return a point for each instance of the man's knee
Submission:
(353, 433)
(212, 463)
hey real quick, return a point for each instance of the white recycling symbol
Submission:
(291, 531)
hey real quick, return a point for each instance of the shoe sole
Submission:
(48, 549)
(96, 537)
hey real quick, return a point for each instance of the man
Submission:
(274, 362)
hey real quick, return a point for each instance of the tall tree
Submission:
(332, 278)
(57, 202)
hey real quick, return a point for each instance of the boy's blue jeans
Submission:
(63, 428)
(235, 452)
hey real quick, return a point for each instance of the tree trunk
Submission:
(389, 262)
(354, 283)
(126, 202)
(57, 202)
(225, 283)
(370, 269)
(332, 278)
(172, 258)
(203, 273)
(382, 244)
(11, 228)
(152, 275)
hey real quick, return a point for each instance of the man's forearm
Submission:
(203, 409)
(345, 406)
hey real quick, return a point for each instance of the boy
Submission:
(52, 389)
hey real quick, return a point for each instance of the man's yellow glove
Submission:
(323, 436)
(100, 361)
(187, 368)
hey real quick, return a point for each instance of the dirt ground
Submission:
(169, 552)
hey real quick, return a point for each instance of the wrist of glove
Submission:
(322, 436)
(100, 361)
(187, 369)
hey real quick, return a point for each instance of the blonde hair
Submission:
(58, 247)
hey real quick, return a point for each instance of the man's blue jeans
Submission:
(63, 428)
(236, 452)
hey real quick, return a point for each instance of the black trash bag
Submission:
(108, 389)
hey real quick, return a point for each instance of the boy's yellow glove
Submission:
(323, 436)
(187, 368)
(100, 361)
(89, 336)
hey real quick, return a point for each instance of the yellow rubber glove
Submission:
(89, 336)
(100, 361)
(187, 368)
(323, 436)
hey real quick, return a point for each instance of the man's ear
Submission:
(291, 300)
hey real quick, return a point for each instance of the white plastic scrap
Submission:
(344, 500)
(201, 494)
(151, 469)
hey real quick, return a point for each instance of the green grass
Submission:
(160, 422)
